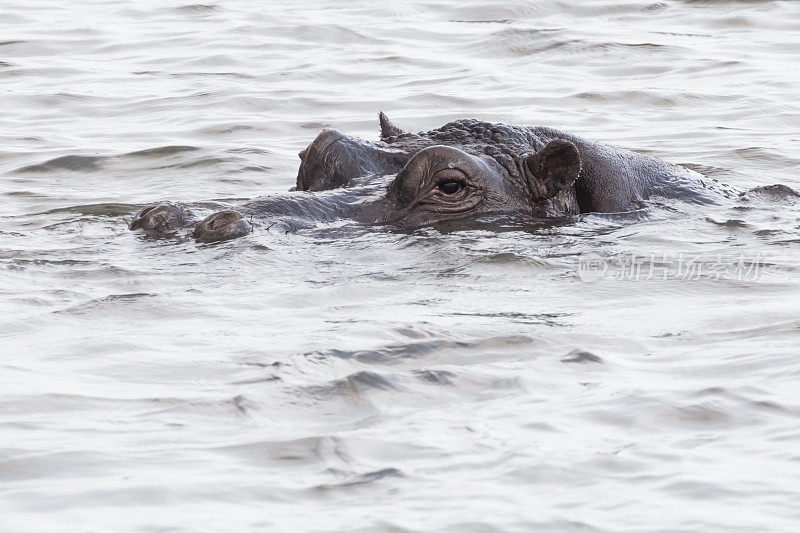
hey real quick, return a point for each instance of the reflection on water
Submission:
(351, 378)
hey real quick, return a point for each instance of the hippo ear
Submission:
(552, 169)
(387, 128)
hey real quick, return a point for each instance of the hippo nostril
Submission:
(162, 217)
(302, 153)
(222, 226)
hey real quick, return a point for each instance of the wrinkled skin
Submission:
(464, 169)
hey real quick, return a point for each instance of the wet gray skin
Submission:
(460, 171)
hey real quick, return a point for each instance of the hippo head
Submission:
(466, 168)
(459, 172)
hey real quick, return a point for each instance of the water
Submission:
(356, 379)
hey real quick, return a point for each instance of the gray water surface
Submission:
(348, 378)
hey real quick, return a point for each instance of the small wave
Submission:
(363, 479)
(548, 43)
(104, 303)
(352, 385)
(547, 319)
(296, 451)
(487, 21)
(772, 192)
(72, 163)
(731, 223)
(161, 151)
(764, 155)
(104, 209)
(395, 353)
(648, 98)
(581, 356)
(202, 162)
(197, 8)
(436, 377)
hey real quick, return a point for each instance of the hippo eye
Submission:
(450, 181)
(450, 186)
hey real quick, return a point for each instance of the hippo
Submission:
(465, 169)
